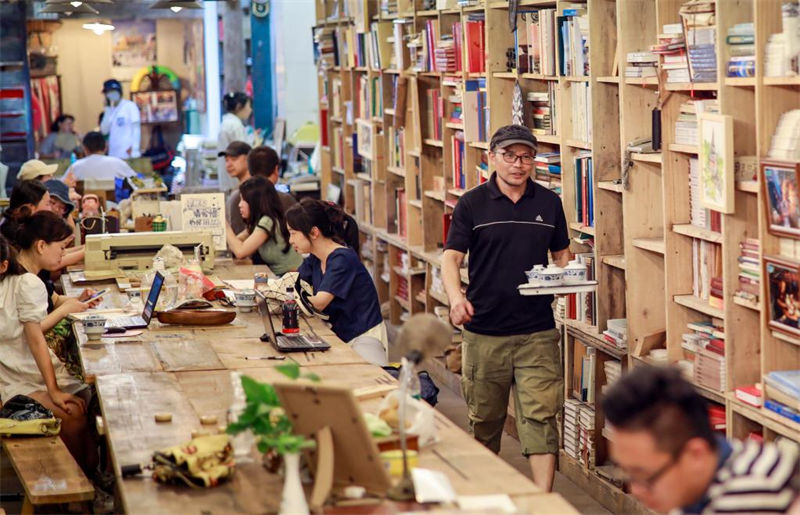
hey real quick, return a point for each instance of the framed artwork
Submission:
(157, 106)
(133, 43)
(783, 293)
(715, 154)
(782, 197)
(364, 138)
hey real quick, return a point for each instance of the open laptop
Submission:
(140, 322)
(285, 343)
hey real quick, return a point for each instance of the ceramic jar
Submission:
(245, 300)
(575, 273)
(94, 326)
(553, 275)
(534, 274)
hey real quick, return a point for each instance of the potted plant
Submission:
(265, 418)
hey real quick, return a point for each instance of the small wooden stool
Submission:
(48, 472)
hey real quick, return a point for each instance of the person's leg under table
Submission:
(485, 382)
(538, 398)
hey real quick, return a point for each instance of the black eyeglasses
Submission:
(511, 158)
(650, 481)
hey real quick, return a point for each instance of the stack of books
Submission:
(582, 307)
(686, 128)
(445, 55)
(573, 30)
(741, 50)
(476, 112)
(749, 288)
(325, 47)
(785, 144)
(584, 197)
(547, 169)
(475, 33)
(701, 334)
(617, 333)
(542, 110)
(716, 416)
(457, 146)
(434, 112)
(709, 366)
(671, 47)
(581, 111)
(541, 37)
(782, 393)
(751, 394)
(612, 370)
(586, 435)
(641, 65)
(702, 53)
(400, 31)
(571, 427)
(783, 48)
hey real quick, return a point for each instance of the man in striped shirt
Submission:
(664, 444)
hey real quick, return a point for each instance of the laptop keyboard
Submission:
(125, 321)
(299, 342)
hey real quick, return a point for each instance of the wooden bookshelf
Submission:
(642, 229)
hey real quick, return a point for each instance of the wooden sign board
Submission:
(205, 212)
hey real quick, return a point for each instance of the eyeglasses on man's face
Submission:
(511, 157)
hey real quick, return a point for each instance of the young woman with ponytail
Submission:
(343, 289)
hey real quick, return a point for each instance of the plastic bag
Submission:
(22, 415)
(419, 417)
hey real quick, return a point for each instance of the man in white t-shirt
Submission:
(97, 165)
(121, 122)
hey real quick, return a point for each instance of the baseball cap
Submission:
(34, 169)
(513, 135)
(60, 191)
(236, 149)
(112, 84)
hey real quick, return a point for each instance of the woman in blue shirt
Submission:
(343, 289)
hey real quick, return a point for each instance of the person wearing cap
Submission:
(238, 108)
(121, 122)
(35, 170)
(508, 224)
(237, 167)
(62, 205)
(97, 165)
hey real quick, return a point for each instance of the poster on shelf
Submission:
(717, 179)
(782, 197)
(783, 288)
(133, 43)
(157, 106)
(205, 212)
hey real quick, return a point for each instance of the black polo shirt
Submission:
(504, 240)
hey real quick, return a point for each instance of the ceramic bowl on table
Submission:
(245, 300)
(94, 326)
(574, 273)
(534, 275)
(553, 275)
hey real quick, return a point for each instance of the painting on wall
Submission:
(716, 162)
(782, 196)
(784, 295)
(133, 43)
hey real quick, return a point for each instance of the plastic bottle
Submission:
(242, 442)
(72, 158)
(291, 319)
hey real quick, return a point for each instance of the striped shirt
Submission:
(756, 478)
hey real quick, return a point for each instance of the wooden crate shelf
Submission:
(698, 232)
(652, 244)
(615, 261)
(686, 149)
(698, 304)
(577, 226)
(611, 186)
(647, 158)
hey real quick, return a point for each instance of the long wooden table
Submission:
(186, 371)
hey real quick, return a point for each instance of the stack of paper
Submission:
(586, 435)
(571, 427)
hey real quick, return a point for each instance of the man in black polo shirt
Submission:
(507, 225)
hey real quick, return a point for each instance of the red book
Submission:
(750, 395)
(446, 219)
(474, 32)
(323, 121)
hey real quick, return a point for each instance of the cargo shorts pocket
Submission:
(538, 375)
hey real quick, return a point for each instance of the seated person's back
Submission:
(97, 165)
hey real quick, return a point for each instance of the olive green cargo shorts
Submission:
(529, 362)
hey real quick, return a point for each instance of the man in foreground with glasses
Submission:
(508, 224)
(664, 444)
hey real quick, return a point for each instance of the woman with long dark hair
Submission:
(266, 232)
(342, 288)
(27, 198)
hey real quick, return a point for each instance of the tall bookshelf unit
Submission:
(642, 233)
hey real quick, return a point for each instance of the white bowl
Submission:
(94, 326)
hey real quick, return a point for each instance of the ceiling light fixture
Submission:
(68, 9)
(98, 27)
(75, 4)
(176, 5)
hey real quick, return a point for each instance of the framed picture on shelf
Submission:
(783, 287)
(157, 106)
(715, 154)
(782, 197)
(364, 138)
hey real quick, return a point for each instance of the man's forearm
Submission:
(451, 277)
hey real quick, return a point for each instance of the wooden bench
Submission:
(47, 471)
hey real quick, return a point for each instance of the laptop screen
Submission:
(152, 297)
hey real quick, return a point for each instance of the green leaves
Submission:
(266, 419)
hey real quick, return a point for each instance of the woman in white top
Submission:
(27, 366)
(238, 108)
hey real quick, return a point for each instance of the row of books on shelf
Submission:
(397, 147)
(434, 113)
(785, 143)
(581, 111)
(582, 307)
(584, 192)
(475, 110)
(671, 47)
(699, 21)
(778, 392)
(741, 50)
(544, 114)
(707, 272)
(749, 279)
(362, 200)
(782, 53)
(457, 147)
(536, 45)
(369, 92)
(573, 45)
(547, 170)
(617, 333)
(700, 216)
(579, 431)
(687, 124)
(640, 65)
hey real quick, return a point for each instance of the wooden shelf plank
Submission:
(746, 304)
(416, 203)
(364, 176)
(397, 171)
(456, 192)
(697, 232)
(645, 82)
(765, 417)
(548, 138)
(782, 81)
(686, 149)
(438, 297)
(709, 394)
(579, 144)
(693, 86)
(454, 125)
(577, 78)
(388, 111)
(698, 304)
(436, 195)
(433, 142)
(404, 303)
(483, 145)
(617, 261)
(608, 80)
(747, 186)
(652, 244)
(338, 170)
(577, 226)
(740, 81)
(505, 75)
(654, 157)
(537, 76)
(610, 186)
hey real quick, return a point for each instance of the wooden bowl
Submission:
(196, 316)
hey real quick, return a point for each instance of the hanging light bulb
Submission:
(98, 27)
(75, 4)
(176, 8)
(176, 5)
(68, 9)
